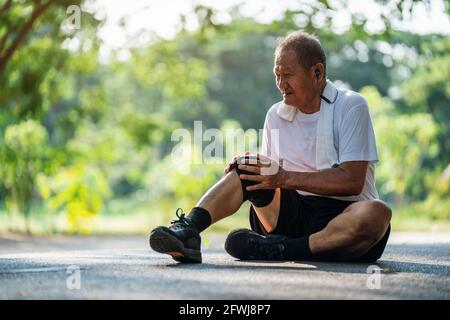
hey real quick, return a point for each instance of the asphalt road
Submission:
(414, 266)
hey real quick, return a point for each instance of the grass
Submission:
(128, 217)
(410, 220)
(120, 217)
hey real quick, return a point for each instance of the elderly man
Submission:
(314, 195)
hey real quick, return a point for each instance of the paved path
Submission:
(414, 266)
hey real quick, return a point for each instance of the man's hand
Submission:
(268, 173)
(240, 159)
(346, 180)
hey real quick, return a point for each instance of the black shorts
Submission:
(304, 215)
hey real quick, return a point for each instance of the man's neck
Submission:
(314, 105)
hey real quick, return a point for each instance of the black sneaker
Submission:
(248, 245)
(181, 240)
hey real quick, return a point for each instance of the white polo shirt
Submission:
(355, 139)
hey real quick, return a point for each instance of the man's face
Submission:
(297, 86)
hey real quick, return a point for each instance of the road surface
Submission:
(414, 266)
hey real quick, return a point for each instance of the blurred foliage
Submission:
(23, 153)
(428, 90)
(404, 142)
(79, 191)
(77, 132)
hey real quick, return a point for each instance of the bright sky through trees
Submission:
(163, 17)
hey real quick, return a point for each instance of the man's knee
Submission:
(372, 218)
(259, 198)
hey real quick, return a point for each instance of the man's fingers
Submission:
(262, 157)
(255, 163)
(228, 167)
(251, 177)
(258, 186)
(231, 162)
(266, 161)
(252, 161)
(234, 159)
(253, 169)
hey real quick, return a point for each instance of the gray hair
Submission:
(307, 47)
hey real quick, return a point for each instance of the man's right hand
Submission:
(237, 160)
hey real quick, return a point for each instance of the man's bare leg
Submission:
(268, 216)
(352, 233)
(349, 235)
(181, 240)
(226, 197)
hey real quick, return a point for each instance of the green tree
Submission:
(404, 143)
(80, 191)
(428, 90)
(23, 155)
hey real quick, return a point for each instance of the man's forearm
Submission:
(329, 182)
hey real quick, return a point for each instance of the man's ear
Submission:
(319, 70)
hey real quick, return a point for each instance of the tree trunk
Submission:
(399, 200)
(38, 10)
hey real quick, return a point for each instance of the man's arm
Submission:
(346, 180)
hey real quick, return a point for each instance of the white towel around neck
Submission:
(326, 153)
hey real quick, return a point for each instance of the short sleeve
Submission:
(356, 136)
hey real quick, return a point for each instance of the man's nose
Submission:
(281, 83)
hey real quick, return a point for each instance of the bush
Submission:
(23, 154)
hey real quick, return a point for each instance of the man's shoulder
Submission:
(349, 98)
(350, 101)
(272, 113)
(273, 109)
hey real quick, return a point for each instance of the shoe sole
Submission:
(164, 242)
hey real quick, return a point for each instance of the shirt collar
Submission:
(330, 92)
